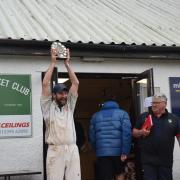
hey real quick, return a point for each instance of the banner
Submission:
(174, 83)
(15, 106)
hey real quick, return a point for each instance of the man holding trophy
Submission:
(57, 109)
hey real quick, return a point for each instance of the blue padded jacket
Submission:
(110, 131)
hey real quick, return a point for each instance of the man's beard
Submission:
(61, 102)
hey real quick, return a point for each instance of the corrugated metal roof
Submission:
(130, 21)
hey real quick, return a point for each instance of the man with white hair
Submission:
(157, 144)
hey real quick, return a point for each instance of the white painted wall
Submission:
(26, 153)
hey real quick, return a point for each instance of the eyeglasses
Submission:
(157, 102)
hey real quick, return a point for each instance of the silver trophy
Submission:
(61, 50)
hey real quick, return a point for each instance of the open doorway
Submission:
(129, 93)
(92, 92)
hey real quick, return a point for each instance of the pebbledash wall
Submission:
(27, 153)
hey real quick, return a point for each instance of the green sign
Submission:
(15, 106)
(15, 94)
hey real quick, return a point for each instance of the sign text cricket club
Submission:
(15, 106)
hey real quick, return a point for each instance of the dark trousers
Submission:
(108, 167)
(157, 172)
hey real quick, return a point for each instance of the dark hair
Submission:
(110, 97)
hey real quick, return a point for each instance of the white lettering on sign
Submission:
(21, 89)
(4, 82)
(15, 86)
(176, 86)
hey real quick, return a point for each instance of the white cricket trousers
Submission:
(63, 163)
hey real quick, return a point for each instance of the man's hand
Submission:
(140, 132)
(144, 132)
(54, 56)
(123, 157)
(67, 61)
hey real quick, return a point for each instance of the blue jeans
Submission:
(152, 172)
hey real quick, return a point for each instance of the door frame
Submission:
(133, 76)
(148, 74)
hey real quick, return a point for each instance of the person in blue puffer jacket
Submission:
(110, 137)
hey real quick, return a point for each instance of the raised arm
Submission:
(72, 75)
(48, 75)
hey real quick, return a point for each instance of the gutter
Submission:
(42, 48)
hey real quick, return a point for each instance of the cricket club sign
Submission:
(15, 106)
